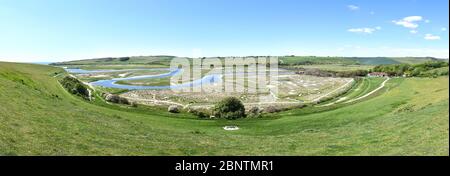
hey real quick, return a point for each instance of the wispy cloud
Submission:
(413, 31)
(353, 7)
(409, 22)
(443, 29)
(365, 30)
(431, 37)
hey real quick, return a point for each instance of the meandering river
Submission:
(112, 83)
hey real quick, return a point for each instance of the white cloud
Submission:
(443, 29)
(353, 7)
(409, 22)
(413, 31)
(432, 37)
(412, 18)
(365, 30)
(406, 24)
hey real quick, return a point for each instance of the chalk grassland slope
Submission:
(150, 61)
(38, 117)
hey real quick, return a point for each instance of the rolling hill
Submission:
(164, 61)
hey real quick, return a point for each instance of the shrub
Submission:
(116, 99)
(254, 112)
(134, 104)
(173, 109)
(229, 108)
(76, 87)
(200, 113)
(123, 59)
(271, 109)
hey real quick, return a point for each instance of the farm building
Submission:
(378, 74)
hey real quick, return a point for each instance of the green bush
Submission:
(173, 109)
(74, 86)
(254, 112)
(200, 113)
(116, 99)
(229, 108)
(272, 109)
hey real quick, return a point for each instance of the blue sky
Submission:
(55, 30)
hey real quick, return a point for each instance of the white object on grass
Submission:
(231, 128)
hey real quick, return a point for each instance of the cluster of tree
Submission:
(327, 73)
(230, 108)
(76, 87)
(424, 69)
(123, 59)
(110, 59)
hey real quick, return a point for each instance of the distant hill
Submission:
(284, 60)
(393, 60)
(139, 60)
(313, 60)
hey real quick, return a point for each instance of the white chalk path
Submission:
(154, 101)
(329, 93)
(359, 98)
(370, 93)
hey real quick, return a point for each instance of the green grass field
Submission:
(407, 117)
(366, 61)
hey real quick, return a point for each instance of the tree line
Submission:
(422, 70)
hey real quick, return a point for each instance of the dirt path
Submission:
(370, 93)
(359, 98)
(329, 93)
(154, 101)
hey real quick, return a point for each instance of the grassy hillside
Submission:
(377, 60)
(409, 117)
(154, 61)
(415, 60)
(313, 60)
